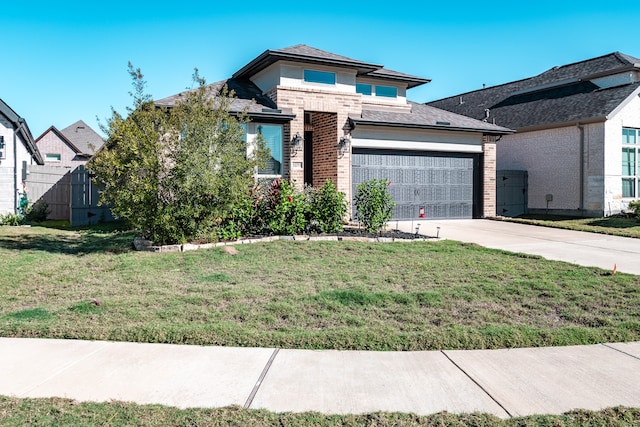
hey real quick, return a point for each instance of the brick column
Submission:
(488, 176)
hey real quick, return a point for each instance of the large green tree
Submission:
(176, 173)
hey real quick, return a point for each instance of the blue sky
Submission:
(66, 61)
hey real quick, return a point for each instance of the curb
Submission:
(144, 245)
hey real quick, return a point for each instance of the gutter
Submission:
(506, 131)
(598, 119)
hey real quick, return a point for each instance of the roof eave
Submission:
(270, 116)
(270, 57)
(583, 121)
(503, 131)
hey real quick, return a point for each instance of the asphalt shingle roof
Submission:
(247, 98)
(312, 55)
(567, 97)
(425, 116)
(85, 139)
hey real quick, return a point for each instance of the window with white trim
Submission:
(271, 134)
(315, 76)
(630, 163)
(52, 157)
(386, 91)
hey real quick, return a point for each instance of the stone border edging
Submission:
(144, 245)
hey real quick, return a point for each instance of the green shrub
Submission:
(283, 209)
(11, 219)
(37, 212)
(373, 203)
(327, 208)
(175, 174)
(635, 207)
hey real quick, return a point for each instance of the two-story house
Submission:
(17, 151)
(326, 116)
(578, 133)
(70, 147)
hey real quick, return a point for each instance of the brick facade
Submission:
(488, 176)
(327, 132)
(325, 155)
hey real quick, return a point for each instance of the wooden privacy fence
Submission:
(69, 193)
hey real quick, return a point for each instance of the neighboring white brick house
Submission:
(571, 122)
(18, 150)
(327, 116)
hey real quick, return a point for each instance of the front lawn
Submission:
(319, 295)
(64, 412)
(615, 226)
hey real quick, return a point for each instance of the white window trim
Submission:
(636, 177)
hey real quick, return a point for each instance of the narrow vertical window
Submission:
(630, 163)
(272, 136)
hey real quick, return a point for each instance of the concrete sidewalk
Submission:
(506, 383)
(576, 247)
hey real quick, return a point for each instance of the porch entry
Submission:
(320, 148)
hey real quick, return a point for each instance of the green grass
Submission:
(64, 412)
(316, 295)
(615, 226)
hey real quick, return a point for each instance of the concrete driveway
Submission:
(576, 247)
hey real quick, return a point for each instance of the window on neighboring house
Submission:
(387, 91)
(2, 148)
(630, 163)
(314, 76)
(272, 136)
(49, 157)
(363, 88)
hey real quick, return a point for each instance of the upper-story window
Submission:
(363, 88)
(377, 90)
(315, 76)
(387, 91)
(630, 163)
(52, 157)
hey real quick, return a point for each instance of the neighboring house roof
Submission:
(426, 117)
(248, 98)
(561, 95)
(311, 55)
(85, 140)
(26, 136)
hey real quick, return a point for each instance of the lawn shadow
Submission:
(101, 238)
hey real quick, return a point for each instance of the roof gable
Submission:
(20, 123)
(83, 138)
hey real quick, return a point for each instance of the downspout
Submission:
(21, 123)
(582, 171)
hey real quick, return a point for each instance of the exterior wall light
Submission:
(296, 144)
(343, 145)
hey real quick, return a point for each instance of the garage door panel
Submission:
(439, 183)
